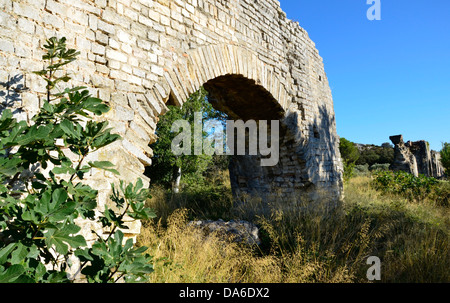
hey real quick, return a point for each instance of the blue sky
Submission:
(387, 77)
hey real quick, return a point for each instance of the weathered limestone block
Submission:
(403, 158)
(436, 165)
(238, 231)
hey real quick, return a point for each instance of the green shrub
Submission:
(39, 235)
(405, 184)
(210, 199)
(380, 167)
(441, 194)
(348, 170)
(361, 170)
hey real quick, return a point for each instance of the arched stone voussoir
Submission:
(198, 66)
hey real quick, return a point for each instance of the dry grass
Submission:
(411, 239)
(414, 242)
(184, 255)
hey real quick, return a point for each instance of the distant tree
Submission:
(167, 169)
(371, 155)
(350, 154)
(368, 156)
(445, 157)
(349, 151)
(386, 154)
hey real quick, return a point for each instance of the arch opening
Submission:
(241, 98)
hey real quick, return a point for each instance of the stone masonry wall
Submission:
(416, 158)
(138, 55)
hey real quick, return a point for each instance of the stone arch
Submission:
(227, 71)
(206, 63)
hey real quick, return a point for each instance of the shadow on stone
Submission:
(11, 93)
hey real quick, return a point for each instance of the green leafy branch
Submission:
(38, 232)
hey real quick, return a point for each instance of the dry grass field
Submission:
(411, 238)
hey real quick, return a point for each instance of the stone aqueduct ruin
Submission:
(140, 55)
